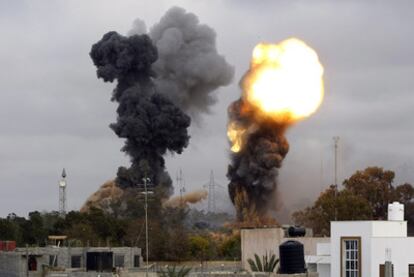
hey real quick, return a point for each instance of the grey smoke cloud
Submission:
(189, 68)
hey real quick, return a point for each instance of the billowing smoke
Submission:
(283, 85)
(161, 76)
(186, 199)
(254, 169)
(188, 69)
(149, 121)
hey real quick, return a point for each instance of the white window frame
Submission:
(351, 256)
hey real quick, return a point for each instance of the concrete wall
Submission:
(309, 244)
(324, 270)
(10, 265)
(192, 274)
(389, 228)
(402, 254)
(340, 229)
(259, 241)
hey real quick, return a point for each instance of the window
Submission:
(119, 260)
(411, 270)
(76, 261)
(53, 260)
(32, 263)
(351, 257)
(382, 270)
(136, 260)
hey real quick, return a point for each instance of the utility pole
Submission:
(144, 166)
(27, 260)
(146, 179)
(336, 141)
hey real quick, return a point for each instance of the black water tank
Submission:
(296, 231)
(292, 258)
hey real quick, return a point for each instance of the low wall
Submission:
(192, 274)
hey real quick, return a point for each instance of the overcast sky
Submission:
(55, 113)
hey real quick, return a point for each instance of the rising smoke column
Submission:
(283, 85)
(161, 76)
(150, 122)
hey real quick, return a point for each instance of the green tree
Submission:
(199, 247)
(230, 248)
(375, 185)
(9, 230)
(82, 232)
(345, 206)
(365, 196)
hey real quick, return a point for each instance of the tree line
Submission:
(363, 196)
(171, 236)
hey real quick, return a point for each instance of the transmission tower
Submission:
(211, 208)
(181, 182)
(211, 187)
(62, 194)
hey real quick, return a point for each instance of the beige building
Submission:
(267, 240)
(67, 261)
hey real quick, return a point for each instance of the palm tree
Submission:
(267, 264)
(172, 272)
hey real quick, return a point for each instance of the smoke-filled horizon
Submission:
(161, 78)
(55, 112)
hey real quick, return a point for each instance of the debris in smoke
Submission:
(182, 201)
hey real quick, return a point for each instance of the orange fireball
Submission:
(284, 81)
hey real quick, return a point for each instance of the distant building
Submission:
(37, 261)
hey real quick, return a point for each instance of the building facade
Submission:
(37, 261)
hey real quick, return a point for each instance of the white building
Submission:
(361, 248)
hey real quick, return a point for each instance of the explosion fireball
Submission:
(283, 85)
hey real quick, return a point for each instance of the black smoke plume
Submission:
(161, 76)
(148, 121)
(254, 169)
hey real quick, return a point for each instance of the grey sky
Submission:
(55, 113)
